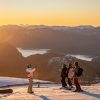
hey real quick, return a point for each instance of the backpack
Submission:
(80, 72)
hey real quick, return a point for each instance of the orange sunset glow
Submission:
(50, 12)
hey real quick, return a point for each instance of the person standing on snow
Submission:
(70, 75)
(30, 72)
(77, 73)
(63, 76)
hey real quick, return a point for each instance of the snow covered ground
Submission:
(8, 81)
(52, 92)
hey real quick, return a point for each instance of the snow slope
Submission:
(8, 81)
(49, 92)
(52, 93)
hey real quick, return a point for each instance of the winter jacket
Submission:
(71, 73)
(64, 72)
(30, 72)
(76, 71)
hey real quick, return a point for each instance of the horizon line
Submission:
(48, 25)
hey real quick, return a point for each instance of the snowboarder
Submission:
(30, 72)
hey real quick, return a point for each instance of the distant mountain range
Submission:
(61, 40)
(70, 40)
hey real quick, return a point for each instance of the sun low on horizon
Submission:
(50, 12)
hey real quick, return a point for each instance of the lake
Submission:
(26, 53)
(82, 57)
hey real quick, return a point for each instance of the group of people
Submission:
(72, 75)
(69, 73)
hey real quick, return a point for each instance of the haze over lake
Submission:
(26, 53)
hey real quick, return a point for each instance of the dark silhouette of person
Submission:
(76, 78)
(63, 76)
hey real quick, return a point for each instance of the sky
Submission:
(50, 12)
